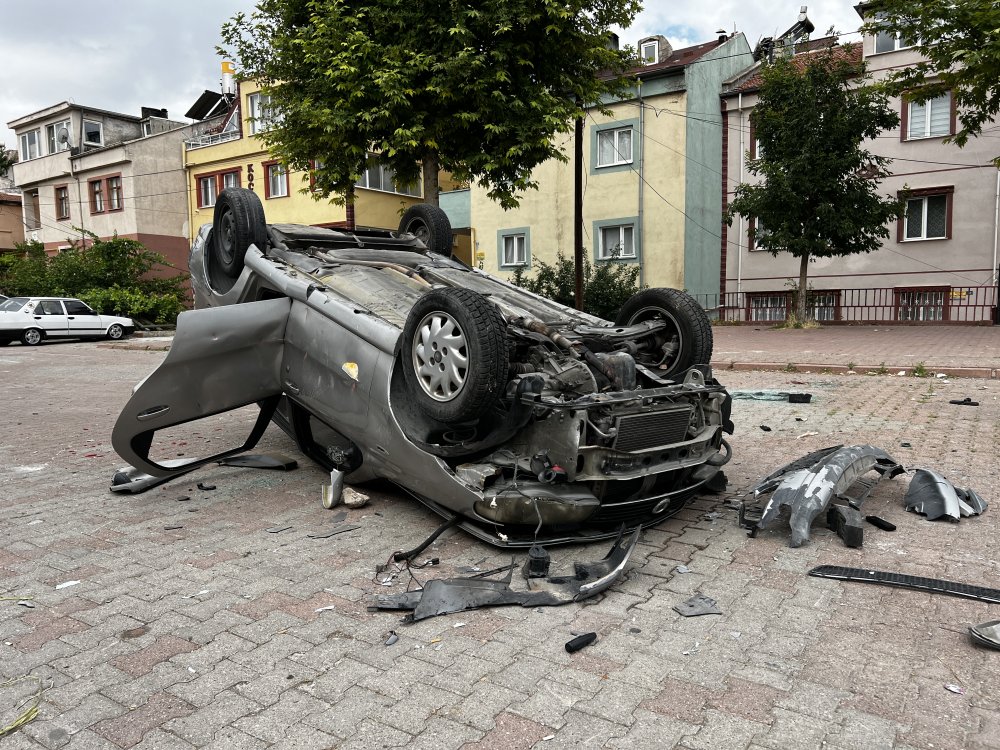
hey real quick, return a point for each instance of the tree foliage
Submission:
(113, 276)
(960, 40)
(818, 193)
(6, 159)
(606, 286)
(482, 88)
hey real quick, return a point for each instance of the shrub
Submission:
(606, 286)
(113, 276)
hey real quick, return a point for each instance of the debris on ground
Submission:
(327, 533)
(273, 461)
(957, 689)
(354, 499)
(277, 529)
(332, 494)
(933, 496)
(964, 402)
(206, 487)
(581, 641)
(697, 605)
(772, 395)
(66, 584)
(986, 634)
(902, 580)
(807, 486)
(393, 638)
(31, 712)
(442, 596)
(765, 428)
(880, 523)
(682, 569)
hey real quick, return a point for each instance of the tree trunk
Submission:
(349, 214)
(431, 166)
(803, 288)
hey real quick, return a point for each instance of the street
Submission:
(189, 624)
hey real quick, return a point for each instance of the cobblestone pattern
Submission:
(207, 635)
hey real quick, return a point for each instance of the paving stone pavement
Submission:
(217, 634)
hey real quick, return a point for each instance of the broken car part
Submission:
(846, 521)
(537, 564)
(383, 357)
(771, 395)
(964, 402)
(327, 533)
(331, 494)
(933, 496)
(273, 461)
(901, 580)
(447, 595)
(986, 634)
(880, 523)
(805, 488)
(581, 641)
(697, 605)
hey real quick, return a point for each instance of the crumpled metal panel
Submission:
(444, 596)
(933, 496)
(806, 492)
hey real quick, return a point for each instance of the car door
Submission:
(221, 359)
(82, 321)
(50, 316)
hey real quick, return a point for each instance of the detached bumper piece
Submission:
(933, 496)
(901, 580)
(808, 486)
(447, 595)
(986, 634)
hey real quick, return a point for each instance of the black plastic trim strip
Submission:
(902, 580)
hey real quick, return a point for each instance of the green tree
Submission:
(480, 88)
(818, 194)
(6, 159)
(960, 40)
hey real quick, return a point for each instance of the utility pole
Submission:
(578, 211)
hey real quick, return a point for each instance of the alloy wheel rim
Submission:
(440, 356)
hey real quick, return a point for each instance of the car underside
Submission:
(383, 357)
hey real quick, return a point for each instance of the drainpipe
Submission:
(742, 234)
(994, 271)
(642, 161)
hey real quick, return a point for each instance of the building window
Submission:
(210, 185)
(93, 133)
(62, 203)
(614, 147)
(206, 192)
(755, 232)
(380, 177)
(514, 247)
(928, 216)
(650, 52)
(53, 133)
(29, 145)
(97, 197)
(824, 305)
(768, 306)
(616, 241)
(261, 113)
(921, 304)
(115, 193)
(930, 119)
(276, 183)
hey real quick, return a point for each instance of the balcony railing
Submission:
(976, 305)
(211, 139)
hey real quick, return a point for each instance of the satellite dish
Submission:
(63, 136)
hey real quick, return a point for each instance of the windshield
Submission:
(13, 304)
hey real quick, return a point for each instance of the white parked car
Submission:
(31, 320)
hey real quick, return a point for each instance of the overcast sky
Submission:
(120, 56)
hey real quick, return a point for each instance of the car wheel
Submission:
(430, 225)
(238, 223)
(32, 337)
(454, 354)
(115, 331)
(688, 329)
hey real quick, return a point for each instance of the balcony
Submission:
(211, 139)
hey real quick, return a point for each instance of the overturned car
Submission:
(384, 357)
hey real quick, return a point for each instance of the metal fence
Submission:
(900, 305)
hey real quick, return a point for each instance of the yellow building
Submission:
(234, 156)
(652, 178)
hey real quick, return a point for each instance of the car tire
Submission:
(238, 222)
(685, 319)
(454, 354)
(430, 225)
(115, 331)
(32, 337)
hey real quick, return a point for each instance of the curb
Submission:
(986, 373)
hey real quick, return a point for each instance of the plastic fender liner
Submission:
(933, 496)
